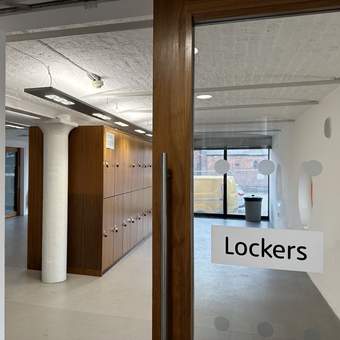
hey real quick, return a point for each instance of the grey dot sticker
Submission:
(221, 324)
(265, 329)
(311, 334)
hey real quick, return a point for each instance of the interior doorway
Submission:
(13, 180)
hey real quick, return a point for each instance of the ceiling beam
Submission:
(333, 81)
(143, 93)
(260, 105)
(95, 29)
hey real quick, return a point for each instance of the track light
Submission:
(97, 81)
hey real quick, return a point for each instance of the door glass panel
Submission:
(267, 98)
(11, 181)
(244, 179)
(208, 184)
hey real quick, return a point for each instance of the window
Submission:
(224, 195)
(245, 180)
(208, 185)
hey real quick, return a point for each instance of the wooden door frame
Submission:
(173, 134)
(18, 181)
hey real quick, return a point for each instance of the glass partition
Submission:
(266, 100)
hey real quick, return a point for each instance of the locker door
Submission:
(126, 223)
(133, 219)
(145, 214)
(140, 215)
(140, 160)
(118, 227)
(119, 164)
(107, 248)
(109, 160)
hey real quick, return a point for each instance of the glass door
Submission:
(12, 183)
(268, 93)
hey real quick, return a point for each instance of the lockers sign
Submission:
(283, 249)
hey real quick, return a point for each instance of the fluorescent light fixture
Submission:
(121, 124)
(196, 50)
(140, 131)
(14, 126)
(204, 96)
(59, 99)
(149, 134)
(101, 116)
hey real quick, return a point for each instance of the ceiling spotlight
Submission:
(196, 50)
(204, 96)
(121, 124)
(149, 134)
(59, 100)
(97, 81)
(140, 131)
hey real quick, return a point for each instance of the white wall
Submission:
(14, 139)
(2, 184)
(311, 144)
(301, 141)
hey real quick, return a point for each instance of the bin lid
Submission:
(253, 199)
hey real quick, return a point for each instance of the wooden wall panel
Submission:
(35, 196)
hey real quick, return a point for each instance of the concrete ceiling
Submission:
(267, 51)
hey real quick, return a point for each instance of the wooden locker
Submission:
(108, 209)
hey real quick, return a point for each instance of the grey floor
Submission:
(231, 303)
(116, 306)
(238, 303)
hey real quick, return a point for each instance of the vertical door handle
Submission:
(164, 247)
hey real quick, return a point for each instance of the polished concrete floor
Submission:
(231, 303)
(116, 306)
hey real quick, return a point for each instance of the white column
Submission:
(55, 194)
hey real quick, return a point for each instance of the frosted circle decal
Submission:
(312, 168)
(222, 166)
(266, 167)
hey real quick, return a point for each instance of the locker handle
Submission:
(117, 165)
(124, 225)
(164, 246)
(105, 234)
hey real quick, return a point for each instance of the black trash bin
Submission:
(253, 207)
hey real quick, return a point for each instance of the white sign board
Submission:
(110, 141)
(283, 249)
